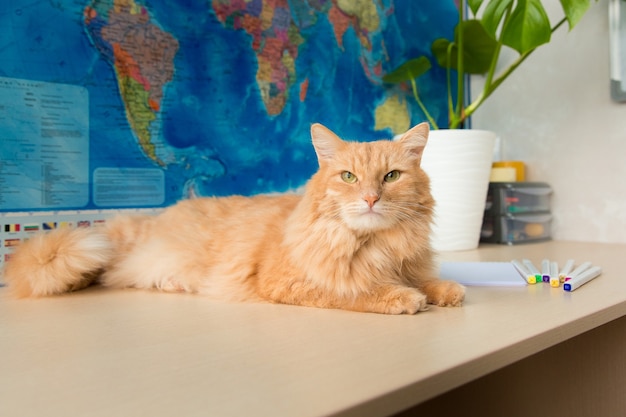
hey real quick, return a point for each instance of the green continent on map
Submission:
(139, 115)
(362, 14)
(142, 55)
(393, 113)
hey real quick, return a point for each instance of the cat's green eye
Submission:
(392, 176)
(348, 177)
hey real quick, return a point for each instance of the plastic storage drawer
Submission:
(518, 197)
(516, 228)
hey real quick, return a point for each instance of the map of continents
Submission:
(211, 97)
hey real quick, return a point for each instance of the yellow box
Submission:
(520, 169)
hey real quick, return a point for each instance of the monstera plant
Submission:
(521, 25)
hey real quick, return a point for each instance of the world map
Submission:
(132, 103)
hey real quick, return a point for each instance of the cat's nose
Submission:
(371, 199)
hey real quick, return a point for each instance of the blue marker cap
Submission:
(545, 270)
(582, 279)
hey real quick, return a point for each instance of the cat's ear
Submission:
(325, 142)
(414, 140)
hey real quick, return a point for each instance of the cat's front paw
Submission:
(405, 301)
(445, 293)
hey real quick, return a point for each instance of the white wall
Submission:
(555, 113)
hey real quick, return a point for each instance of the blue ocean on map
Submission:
(211, 128)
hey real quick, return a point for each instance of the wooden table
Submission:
(134, 353)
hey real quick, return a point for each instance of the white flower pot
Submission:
(458, 162)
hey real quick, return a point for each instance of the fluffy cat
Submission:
(357, 239)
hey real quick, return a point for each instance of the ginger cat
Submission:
(357, 239)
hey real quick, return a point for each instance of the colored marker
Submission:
(545, 270)
(531, 268)
(530, 278)
(581, 268)
(554, 275)
(582, 279)
(567, 269)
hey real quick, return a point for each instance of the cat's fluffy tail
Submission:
(60, 261)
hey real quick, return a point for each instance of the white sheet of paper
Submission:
(500, 274)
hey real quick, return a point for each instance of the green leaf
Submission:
(474, 5)
(493, 15)
(478, 48)
(411, 69)
(574, 10)
(439, 48)
(527, 27)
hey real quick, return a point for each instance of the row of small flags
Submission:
(35, 227)
(14, 228)
(12, 241)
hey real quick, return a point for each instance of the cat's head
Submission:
(372, 185)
